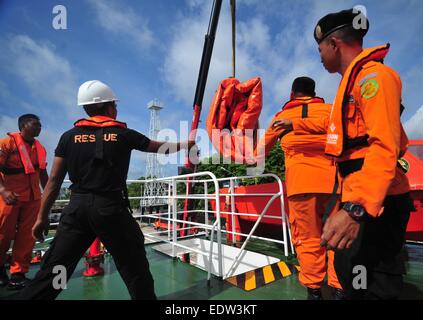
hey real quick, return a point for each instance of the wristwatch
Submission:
(356, 211)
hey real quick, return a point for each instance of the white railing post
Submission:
(169, 205)
(232, 191)
(211, 251)
(175, 217)
(283, 216)
(219, 227)
(206, 207)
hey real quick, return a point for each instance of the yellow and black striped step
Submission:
(259, 277)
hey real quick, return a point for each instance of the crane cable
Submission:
(233, 16)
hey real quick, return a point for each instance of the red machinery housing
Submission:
(414, 157)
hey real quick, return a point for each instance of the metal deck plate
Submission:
(248, 261)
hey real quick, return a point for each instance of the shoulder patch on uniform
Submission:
(369, 89)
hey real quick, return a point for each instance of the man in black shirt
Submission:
(96, 154)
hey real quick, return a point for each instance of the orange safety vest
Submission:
(19, 166)
(102, 122)
(337, 139)
(307, 168)
(99, 122)
(28, 166)
(235, 109)
(365, 132)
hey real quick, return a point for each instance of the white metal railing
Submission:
(215, 228)
(286, 232)
(211, 227)
(172, 219)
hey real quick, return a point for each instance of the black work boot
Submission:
(4, 279)
(314, 294)
(17, 281)
(338, 294)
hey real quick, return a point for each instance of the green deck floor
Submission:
(175, 280)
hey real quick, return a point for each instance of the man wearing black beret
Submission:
(366, 138)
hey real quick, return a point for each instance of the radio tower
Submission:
(154, 189)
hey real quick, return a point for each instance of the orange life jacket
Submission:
(297, 102)
(365, 133)
(103, 122)
(28, 166)
(99, 122)
(337, 139)
(308, 169)
(232, 122)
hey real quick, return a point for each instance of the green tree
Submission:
(275, 163)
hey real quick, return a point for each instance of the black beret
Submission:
(304, 85)
(335, 21)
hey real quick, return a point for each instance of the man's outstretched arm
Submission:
(165, 147)
(50, 194)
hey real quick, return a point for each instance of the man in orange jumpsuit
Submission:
(22, 168)
(310, 176)
(366, 137)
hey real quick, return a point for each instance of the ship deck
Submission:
(176, 280)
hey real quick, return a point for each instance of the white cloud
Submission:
(48, 76)
(50, 81)
(122, 21)
(184, 55)
(194, 3)
(4, 90)
(49, 137)
(278, 55)
(414, 127)
(411, 93)
(8, 124)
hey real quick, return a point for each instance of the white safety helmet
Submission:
(94, 91)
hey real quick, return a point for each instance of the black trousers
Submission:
(379, 249)
(86, 217)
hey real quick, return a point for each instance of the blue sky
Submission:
(152, 49)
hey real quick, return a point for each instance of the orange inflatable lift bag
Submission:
(232, 122)
(414, 157)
